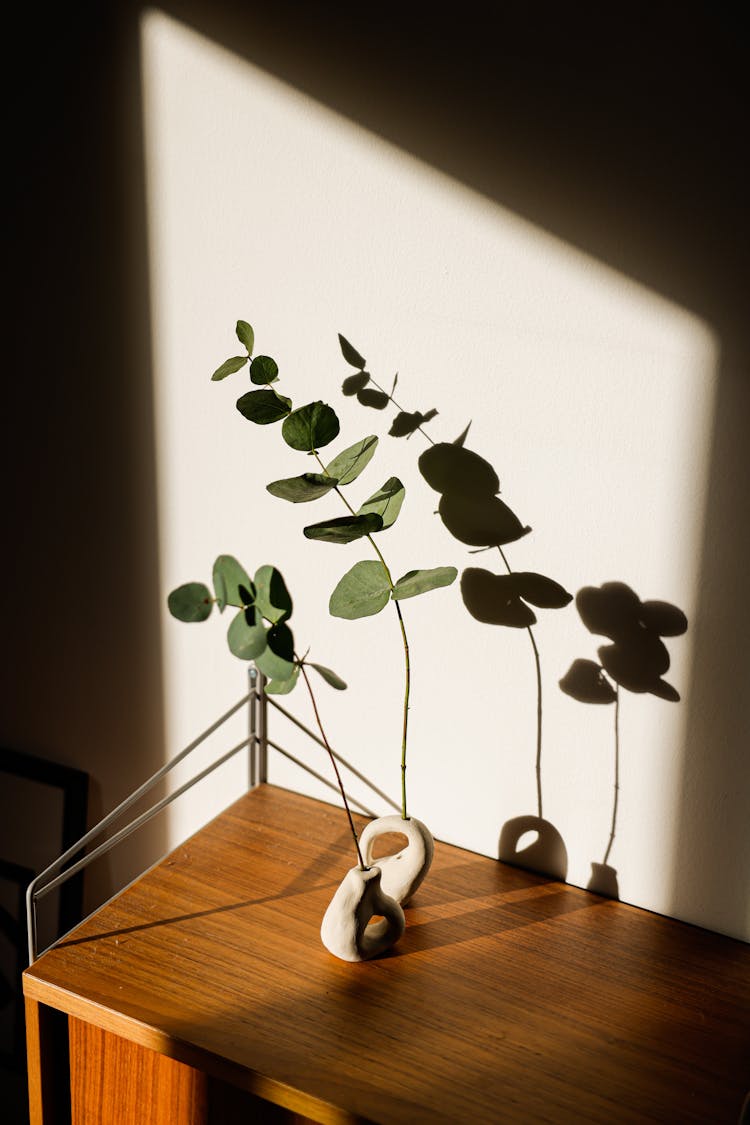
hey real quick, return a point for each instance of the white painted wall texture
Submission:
(591, 396)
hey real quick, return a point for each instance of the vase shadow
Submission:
(603, 881)
(546, 855)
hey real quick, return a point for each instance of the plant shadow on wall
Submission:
(472, 511)
(636, 660)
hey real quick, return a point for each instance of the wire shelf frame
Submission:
(258, 742)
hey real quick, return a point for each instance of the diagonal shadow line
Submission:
(491, 920)
(289, 893)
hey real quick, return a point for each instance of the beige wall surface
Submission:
(541, 236)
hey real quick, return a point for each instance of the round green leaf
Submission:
(311, 427)
(245, 335)
(191, 602)
(272, 598)
(246, 639)
(263, 407)
(283, 687)
(362, 592)
(300, 490)
(354, 383)
(263, 369)
(350, 354)
(329, 676)
(386, 502)
(345, 529)
(228, 367)
(229, 577)
(274, 666)
(348, 465)
(420, 581)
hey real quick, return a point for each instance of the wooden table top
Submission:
(510, 998)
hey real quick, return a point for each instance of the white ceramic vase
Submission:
(403, 872)
(345, 931)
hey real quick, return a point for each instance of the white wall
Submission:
(591, 396)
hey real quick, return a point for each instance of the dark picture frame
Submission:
(30, 784)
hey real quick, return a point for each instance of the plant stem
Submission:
(537, 662)
(333, 762)
(405, 642)
(617, 774)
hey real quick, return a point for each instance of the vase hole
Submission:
(388, 843)
(526, 840)
(376, 919)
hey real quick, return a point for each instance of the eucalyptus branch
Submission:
(405, 642)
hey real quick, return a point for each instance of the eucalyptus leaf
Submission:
(228, 367)
(271, 595)
(283, 687)
(229, 577)
(263, 369)
(362, 592)
(311, 427)
(347, 466)
(329, 676)
(275, 667)
(263, 407)
(246, 638)
(300, 490)
(354, 383)
(350, 354)
(345, 529)
(386, 502)
(191, 602)
(245, 335)
(420, 581)
(378, 400)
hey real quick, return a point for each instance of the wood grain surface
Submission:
(510, 998)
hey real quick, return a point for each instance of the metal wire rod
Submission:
(32, 891)
(319, 777)
(352, 769)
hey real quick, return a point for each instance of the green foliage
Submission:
(386, 503)
(272, 598)
(421, 581)
(263, 370)
(347, 466)
(228, 367)
(329, 676)
(362, 592)
(300, 490)
(344, 529)
(311, 427)
(283, 687)
(263, 407)
(245, 335)
(191, 602)
(246, 639)
(232, 585)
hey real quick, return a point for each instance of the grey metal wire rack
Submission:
(258, 742)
